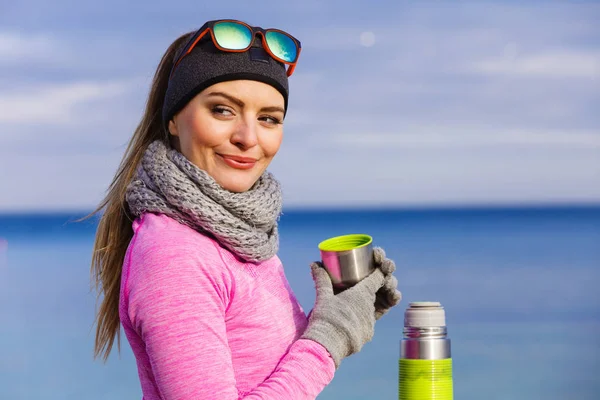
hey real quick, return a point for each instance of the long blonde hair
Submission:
(114, 229)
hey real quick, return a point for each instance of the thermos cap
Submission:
(424, 314)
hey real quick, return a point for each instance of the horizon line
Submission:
(80, 212)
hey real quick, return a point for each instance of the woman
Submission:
(185, 253)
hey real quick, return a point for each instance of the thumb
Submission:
(322, 280)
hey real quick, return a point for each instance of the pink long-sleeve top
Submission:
(204, 325)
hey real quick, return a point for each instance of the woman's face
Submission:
(232, 130)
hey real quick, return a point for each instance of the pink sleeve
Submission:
(181, 319)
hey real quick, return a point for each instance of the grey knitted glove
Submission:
(343, 322)
(388, 296)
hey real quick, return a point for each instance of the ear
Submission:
(173, 128)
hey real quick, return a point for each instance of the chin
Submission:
(238, 184)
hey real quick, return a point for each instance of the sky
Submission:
(393, 103)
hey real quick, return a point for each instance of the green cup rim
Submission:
(333, 243)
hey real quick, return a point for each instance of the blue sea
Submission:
(520, 287)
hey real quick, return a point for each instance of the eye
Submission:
(270, 120)
(220, 110)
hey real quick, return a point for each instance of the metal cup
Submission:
(348, 259)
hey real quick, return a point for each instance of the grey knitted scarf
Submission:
(245, 223)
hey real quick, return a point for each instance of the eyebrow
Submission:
(241, 104)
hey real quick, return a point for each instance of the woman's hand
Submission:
(343, 322)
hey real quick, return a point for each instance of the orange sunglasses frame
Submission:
(254, 30)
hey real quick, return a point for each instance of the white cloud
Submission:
(17, 48)
(55, 103)
(568, 64)
(450, 105)
(332, 38)
(46, 52)
(426, 168)
(454, 137)
(44, 180)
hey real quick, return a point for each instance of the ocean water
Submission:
(520, 288)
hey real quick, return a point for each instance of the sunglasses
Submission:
(237, 36)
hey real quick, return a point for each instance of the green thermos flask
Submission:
(425, 366)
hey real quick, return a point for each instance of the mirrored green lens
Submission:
(282, 46)
(232, 36)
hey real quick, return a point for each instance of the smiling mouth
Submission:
(238, 162)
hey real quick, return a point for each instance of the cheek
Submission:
(271, 142)
(200, 130)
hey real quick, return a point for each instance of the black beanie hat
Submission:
(206, 65)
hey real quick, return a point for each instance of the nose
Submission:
(245, 135)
